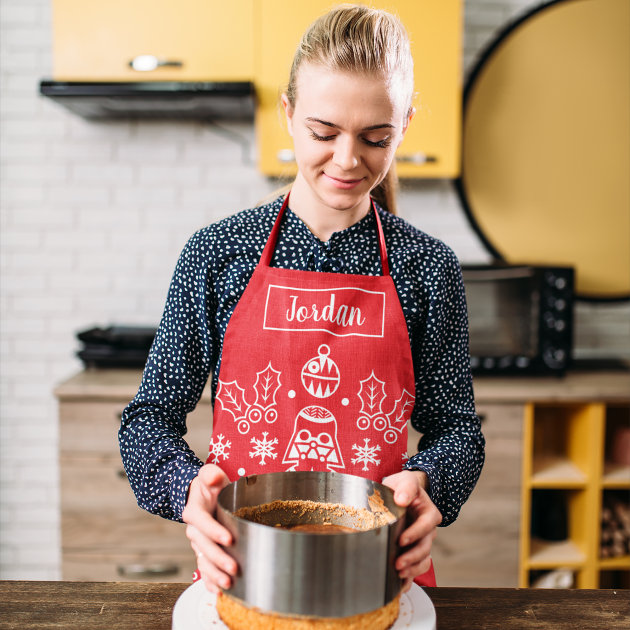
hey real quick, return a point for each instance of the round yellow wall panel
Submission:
(546, 143)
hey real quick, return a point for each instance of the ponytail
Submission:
(385, 194)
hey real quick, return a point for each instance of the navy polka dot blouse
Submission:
(211, 275)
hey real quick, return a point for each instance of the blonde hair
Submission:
(355, 38)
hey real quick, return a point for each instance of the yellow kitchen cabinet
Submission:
(568, 465)
(197, 40)
(432, 145)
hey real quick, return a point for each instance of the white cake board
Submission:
(195, 610)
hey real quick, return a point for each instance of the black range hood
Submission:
(175, 100)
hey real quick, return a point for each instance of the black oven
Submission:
(520, 318)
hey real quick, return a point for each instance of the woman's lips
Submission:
(344, 184)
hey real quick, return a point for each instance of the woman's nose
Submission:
(346, 154)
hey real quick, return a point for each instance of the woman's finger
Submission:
(212, 576)
(208, 526)
(424, 524)
(212, 552)
(414, 556)
(415, 570)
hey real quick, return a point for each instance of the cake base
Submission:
(237, 616)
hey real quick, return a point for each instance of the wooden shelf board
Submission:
(556, 471)
(620, 562)
(545, 554)
(616, 476)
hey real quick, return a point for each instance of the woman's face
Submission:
(345, 128)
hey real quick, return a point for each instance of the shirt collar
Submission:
(362, 226)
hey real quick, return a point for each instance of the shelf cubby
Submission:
(574, 461)
(616, 472)
(554, 578)
(562, 435)
(614, 579)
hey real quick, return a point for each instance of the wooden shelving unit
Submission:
(105, 536)
(567, 464)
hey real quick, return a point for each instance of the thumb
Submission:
(212, 480)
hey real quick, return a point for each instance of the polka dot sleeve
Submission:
(451, 450)
(159, 463)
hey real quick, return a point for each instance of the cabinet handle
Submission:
(148, 63)
(286, 156)
(121, 473)
(416, 158)
(147, 570)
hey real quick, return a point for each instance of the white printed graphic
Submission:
(263, 448)
(372, 395)
(320, 375)
(218, 449)
(232, 399)
(366, 454)
(313, 443)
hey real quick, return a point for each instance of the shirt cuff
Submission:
(179, 487)
(435, 489)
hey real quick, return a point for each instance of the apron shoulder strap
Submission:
(265, 259)
(381, 242)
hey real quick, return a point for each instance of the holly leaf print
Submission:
(372, 394)
(232, 399)
(267, 384)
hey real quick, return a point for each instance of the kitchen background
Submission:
(94, 216)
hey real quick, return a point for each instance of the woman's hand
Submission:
(205, 533)
(409, 488)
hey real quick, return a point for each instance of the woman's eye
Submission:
(384, 143)
(316, 136)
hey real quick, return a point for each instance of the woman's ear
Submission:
(407, 120)
(288, 111)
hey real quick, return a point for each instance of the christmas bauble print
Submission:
(320, 375)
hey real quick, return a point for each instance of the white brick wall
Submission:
(93, 216)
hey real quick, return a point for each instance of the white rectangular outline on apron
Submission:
(350, 334)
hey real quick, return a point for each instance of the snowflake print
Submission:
(366, 454)
(263, 448)
(219, 449)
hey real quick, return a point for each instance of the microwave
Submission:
(520, 318)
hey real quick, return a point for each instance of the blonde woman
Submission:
(354, 319)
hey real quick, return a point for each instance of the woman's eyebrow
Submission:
(321, 122)
(383, 126)
(330, 124)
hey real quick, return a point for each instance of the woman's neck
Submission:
(323, 220)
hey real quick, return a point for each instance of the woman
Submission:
(327, 321)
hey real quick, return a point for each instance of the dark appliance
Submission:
(178, 100)
(116, 346)
(520, 318)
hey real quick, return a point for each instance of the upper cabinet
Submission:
(187, 40)
(431, 147)
(254, 41)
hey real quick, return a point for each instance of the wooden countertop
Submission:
(609, 385)
(148, 606)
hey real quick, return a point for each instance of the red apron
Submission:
(316, 374)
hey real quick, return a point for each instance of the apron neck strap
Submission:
(265, 259)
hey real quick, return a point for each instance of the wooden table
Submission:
(148, 606)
